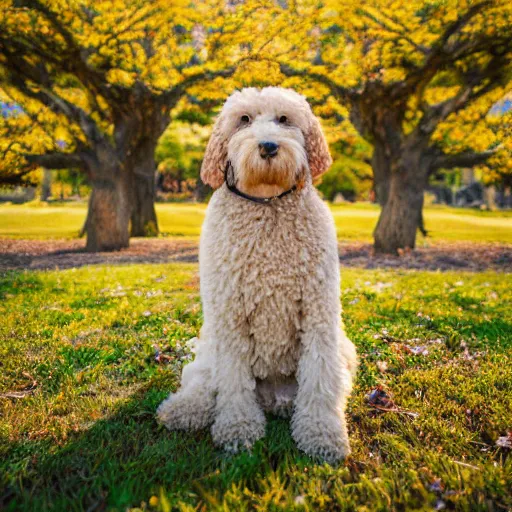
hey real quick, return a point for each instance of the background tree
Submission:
(409, 74)
(497, 170)
(180, 151)
(96, 82)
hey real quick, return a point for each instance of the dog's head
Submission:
(270, 136)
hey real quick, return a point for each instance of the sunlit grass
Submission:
(77, 353)
(353, 222)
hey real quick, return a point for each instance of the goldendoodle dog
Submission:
(272, 338)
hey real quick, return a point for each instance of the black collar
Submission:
(260, 200)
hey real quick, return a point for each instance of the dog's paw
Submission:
(325, 438)
(235, 435)
(180, 412)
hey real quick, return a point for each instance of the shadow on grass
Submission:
(14, 282)
(62, 254)
(50, 254)
(125, 459)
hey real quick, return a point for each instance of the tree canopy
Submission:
(91, 85)
(79, 68)
(96, 82)
(418, 80)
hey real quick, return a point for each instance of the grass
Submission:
(79, 386)
(354, 222)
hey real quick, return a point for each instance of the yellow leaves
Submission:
(161, 43)
(457, 134)
(161, 83)
(120, 77)
(192, 70)
(386, 34)
(393, 75)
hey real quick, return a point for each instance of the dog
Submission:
(272, 338)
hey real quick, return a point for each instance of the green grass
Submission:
(354, 222)
(85, 437)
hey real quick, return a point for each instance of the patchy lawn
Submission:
(87, 354)
(353, 221)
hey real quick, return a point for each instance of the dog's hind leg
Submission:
(193, 405)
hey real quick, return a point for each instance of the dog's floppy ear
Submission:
(215, 157)
(317, 149)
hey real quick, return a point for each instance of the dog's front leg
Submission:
(324, 377)
(192, 407)
(239, 420)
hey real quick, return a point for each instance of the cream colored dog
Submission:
(272, 338)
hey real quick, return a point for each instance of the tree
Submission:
(497, 170)
(350, 173)
(418, 79)
(96, 82)
(180, 151)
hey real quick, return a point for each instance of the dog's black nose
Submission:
(268, 149)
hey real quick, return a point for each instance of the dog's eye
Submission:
(245, 119)
(283, 120)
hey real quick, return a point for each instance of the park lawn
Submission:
(79, 386)
(353, 222)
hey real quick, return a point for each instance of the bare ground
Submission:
(18, 254)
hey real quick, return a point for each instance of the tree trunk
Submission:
(108, 217)
(144, 221)
(381, 167)
(201, 191)
(401, 216)
(46, 185)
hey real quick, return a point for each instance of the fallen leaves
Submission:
(409, 346)
(379, 399)
(440, 256)
(382, 366)
(416, 350)
(161, 357)
(505, 442)
(25, 391)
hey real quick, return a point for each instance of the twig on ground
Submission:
(466, 465)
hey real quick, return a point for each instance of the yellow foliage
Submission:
(107, 48)
(386, 42)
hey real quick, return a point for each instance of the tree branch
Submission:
(441, 53)
(16, 180)
(434, 114)
(52, 18)
(465, 159)
(72, 58)
(56, 160)
(21, 73)
(337, 90)
(401, 34)
(171, 96)
(458, 25)
(494, 73)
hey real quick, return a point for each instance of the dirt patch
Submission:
(465, 256)
(50, 254)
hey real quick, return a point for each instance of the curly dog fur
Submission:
(272, 338)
